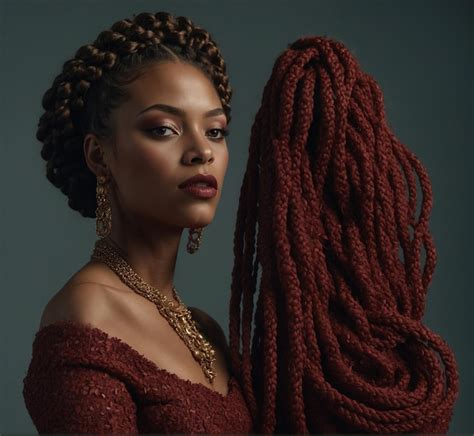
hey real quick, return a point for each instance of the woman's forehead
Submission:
(174, 84)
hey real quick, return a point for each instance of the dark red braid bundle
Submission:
(338, 343)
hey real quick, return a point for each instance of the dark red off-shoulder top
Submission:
(81, 380)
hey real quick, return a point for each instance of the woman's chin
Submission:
(202, 219)
(198, 224)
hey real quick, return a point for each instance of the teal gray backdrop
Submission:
(420, 52)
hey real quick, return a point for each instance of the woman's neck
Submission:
(151, 253)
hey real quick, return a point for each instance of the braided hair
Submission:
(89, 87)
(338, 344)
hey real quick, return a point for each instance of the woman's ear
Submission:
(95, 155)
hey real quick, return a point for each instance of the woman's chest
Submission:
(144, 329)
(174, 407)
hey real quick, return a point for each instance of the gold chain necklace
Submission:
(177, 314)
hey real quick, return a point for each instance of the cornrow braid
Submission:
(83, 95)
(338, 343)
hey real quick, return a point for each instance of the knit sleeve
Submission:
(75, 399)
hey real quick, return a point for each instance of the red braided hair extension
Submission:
(338, 344)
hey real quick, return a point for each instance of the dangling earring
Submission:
(103, 213)
(194, 239)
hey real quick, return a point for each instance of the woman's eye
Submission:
(216, 132)
(161, 130)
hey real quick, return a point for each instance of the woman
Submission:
(134, 134)
(338, 343)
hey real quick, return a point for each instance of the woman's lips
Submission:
(200, 191)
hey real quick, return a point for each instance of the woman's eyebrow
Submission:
(177, 111)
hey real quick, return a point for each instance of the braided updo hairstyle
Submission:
(90, 87)
(338, 344)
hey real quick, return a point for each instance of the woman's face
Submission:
(169, 130)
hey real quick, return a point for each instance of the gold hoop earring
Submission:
(103, 212)
(194, 239)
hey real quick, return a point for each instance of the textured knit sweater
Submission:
(81, 380)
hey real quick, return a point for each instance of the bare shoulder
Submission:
(82, 302)
(85, 298)
(206, 320)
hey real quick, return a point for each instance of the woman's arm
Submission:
(74, 399)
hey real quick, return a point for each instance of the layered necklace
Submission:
(177, 314)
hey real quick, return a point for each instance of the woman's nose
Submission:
(199, 150)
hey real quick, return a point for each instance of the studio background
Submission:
(420, 53)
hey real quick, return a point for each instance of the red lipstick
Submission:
(200, 185)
